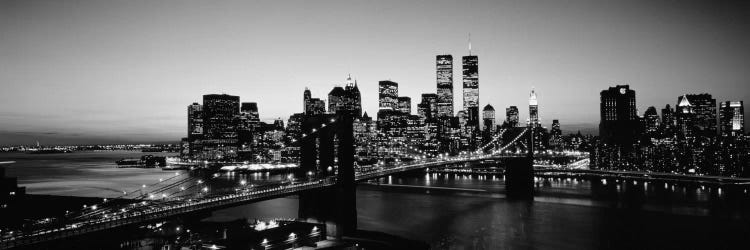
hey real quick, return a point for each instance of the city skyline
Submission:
(139, 81)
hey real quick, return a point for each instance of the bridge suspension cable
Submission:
(497, 136)
(512, 141)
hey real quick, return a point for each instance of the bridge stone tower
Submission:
(329, 152)
(519, 172)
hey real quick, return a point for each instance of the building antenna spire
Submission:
(469, 43)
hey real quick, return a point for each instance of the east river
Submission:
(460, 211)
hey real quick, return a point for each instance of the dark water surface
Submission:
(467, 211)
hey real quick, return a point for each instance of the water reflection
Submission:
(567, 212)
(653, 195)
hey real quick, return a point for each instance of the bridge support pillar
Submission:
(519, 178)
(519, 172)
(335, 206)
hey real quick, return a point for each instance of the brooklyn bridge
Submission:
(325, 183)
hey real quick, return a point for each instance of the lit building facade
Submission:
(471, 90)
(404, 104)
(618, 113)
(732, 118)
(313, 106)
(703, 109)
(195, 121)
(651, 121)
(388, 95)
(471, 129)
(347, 98)
(488, 120)
(511, 116)
(685, 118)
(555, 136)
(427, 108)
(444, 65)
(336, 100)
(353, 100)
(533, 110)
(220, 113)
(667, 120)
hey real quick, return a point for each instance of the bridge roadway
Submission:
(134, 215)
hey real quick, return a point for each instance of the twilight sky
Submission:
(111, 71)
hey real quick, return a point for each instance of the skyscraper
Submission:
(667, 118)
(555, 135)
(444, 65)
(336, 100)
(278, 124)
(388, 95)
(511, 116)
(353, 100)
(488, 126)
(249, 122)
(471, 90)
(427, 108)
(533, 110)
(404, 104)
(619, 119)
(316, 106)
(685, 117)
(703, 108)
(651, 120)
(219, 112)
(488, 117)
(390, 121)
(195, 121)
(732, 118)
(306, 96)
(220, 119)
(313, 106)
(345, 99)
(251, 109)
